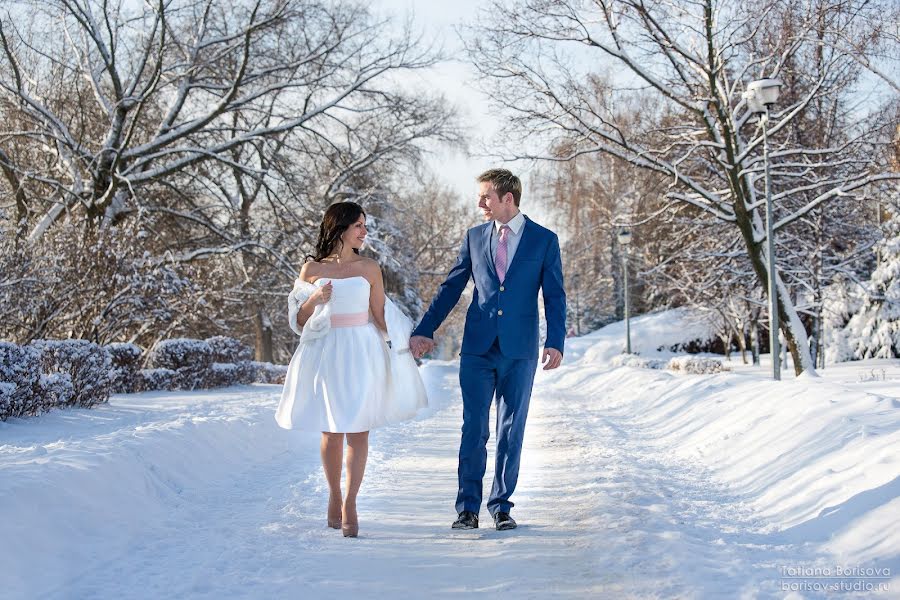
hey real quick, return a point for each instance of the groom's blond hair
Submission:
(503, 182)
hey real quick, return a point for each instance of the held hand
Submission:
(552, 358)
(420, 345)
(322, 295)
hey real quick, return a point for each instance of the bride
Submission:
(344, 379)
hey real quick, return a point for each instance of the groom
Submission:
(509, 258)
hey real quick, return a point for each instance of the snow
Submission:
(650, 332)
(635, 483)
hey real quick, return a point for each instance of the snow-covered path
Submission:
(260, 533)
(199, 495)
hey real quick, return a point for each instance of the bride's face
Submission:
(355, 234)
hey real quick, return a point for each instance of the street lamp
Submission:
(760, 95)
(624, 236)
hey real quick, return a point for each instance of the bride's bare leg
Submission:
(357, 453)
(332, 455)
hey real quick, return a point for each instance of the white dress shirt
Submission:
(513, 236)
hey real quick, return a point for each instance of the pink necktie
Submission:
(502, 251)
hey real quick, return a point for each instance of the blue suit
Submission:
(499, 350)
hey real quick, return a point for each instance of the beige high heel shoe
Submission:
(350, 528)
(334, 519)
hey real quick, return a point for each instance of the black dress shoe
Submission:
(467, 520)
(502, 521)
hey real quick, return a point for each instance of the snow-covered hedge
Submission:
(6, 399)
(266, 372)
(126, 365)
(226, 374)
(156, 379)
(229, 350)
(633, 360)
(696, 365)
(87, 364)
(21, 391)
(52, 373)
(58, 389)
(190, 359)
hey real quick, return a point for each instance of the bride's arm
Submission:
(376, 297)
(320, 296)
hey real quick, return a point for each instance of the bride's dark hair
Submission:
(336, 220)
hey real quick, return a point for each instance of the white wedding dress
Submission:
(343, 377)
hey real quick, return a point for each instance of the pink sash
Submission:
(350, 319)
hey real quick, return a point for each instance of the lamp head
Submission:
(762, 93)
(624, 236)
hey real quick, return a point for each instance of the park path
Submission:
(602, 515)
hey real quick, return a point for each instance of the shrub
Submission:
(58, 389)
(126, 365)
(20, 376)
(87, 364)
(633, 360)
(696, 365)
(6, 399)
(266, 372)
(156, 379)
(190, 359)
(229, 350)
(223, 375)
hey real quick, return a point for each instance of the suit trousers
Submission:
(481, 378)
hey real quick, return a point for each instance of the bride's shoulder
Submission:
(368, 263)
(309, 270)
(370, 268)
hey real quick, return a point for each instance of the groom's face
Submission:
(493, 206)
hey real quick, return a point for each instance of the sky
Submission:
(455, 79)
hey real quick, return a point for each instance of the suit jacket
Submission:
(508, 311)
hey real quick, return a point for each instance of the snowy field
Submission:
(635, 483)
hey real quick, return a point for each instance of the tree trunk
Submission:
(742, 344)
(814, 341)
(788, 319)
(263, 327)
(820, 337)
(754, 338)
(726, 343)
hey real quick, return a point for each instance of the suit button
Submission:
(499, 313)
(502, 289)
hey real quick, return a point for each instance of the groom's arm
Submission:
(554, 297)
(448, 294)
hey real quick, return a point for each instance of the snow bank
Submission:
(651, 334)
(815, 459)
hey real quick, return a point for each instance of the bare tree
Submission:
(218, 129)
(691, 62)
(435, 221)
(164, 86)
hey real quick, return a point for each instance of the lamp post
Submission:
(624, 237)
(577, 282)
(760, 95)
